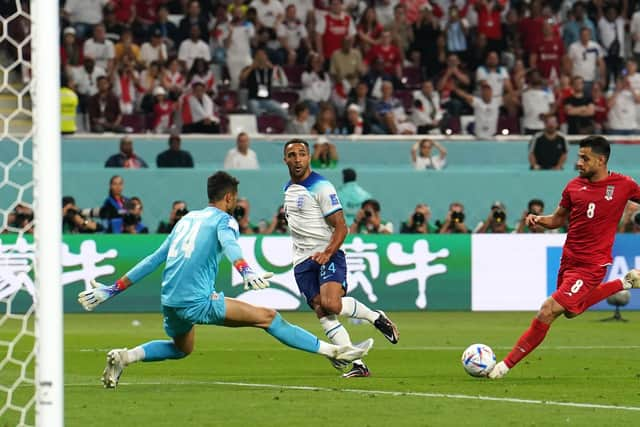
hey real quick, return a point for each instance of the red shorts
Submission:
(575, 283)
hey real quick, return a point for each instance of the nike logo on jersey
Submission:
(569, 294)
(583, 188)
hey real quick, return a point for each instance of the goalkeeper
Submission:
(192, 252)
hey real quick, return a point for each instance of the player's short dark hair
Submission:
(219, 184)
(295, 141)
(598, 144)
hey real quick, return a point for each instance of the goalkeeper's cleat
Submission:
(631, 279)
(357, 370)
(340, 365)
(387, 327)
(116, 362)
(500, 370)
(355, 351)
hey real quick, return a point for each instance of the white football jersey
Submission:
(306, 205)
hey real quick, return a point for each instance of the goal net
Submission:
(30, 387)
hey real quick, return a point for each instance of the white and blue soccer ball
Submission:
(478, 360)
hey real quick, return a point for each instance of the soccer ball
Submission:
(478, 360)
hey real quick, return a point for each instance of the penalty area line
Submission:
(387, 393)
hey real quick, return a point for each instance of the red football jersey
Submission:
(595, 210)
(549, 53)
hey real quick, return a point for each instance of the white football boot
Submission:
(355, 351)
(116, 362)
(631, 279)
(500, 370)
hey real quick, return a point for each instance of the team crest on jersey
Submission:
(609, 194)
(300, 202)
(334, 199)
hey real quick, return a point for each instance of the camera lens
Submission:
(368, 213)
(499, 215)
(418, 218)
(238, 212)
(636, 218)
(457, 216)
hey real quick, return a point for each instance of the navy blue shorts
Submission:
(310, 275)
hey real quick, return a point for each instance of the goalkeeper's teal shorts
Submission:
(179, 320)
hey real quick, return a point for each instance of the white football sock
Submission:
(353, 308)
(337, 333)
(135, 354)
(327, 349)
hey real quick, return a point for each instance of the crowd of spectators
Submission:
(354, 66)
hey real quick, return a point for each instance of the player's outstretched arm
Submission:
(99, 293)
(228, 238)
(557, 219)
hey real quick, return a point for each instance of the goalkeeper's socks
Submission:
(160, 350)
(292, 335)
(353, 308)
(337, 333)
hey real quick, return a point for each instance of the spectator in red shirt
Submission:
(562, 92)
(530, 28)
(548, 54)
(332, 28)
(369, 30)
(125, 11)
(70, 50)
(489, 22)
(390, 55)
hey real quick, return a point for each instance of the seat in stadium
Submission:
(510, 123)
(228, 100)
(242, 123)
(294, 75)
(286, 96)
(406, 97)
(270, 123)
(137, 122)
(412, 77)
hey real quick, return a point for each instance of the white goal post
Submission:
(47, 213)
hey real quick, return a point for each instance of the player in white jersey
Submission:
(318, 229)
(191, 254)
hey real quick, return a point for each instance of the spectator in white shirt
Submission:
(270, 12)
(611, 29)
(633, 76)
(495, 75)
(423, 157)
(155, 50)
(304, 9)
(238, 36)
(86, 81)
(100, 48)
(486, 110)
(293, 36)
(587, 59)
(241, 157)
(622, 108)
(634, 30)
(426, 113)
(193, 47)
(537, 102)
(316, 83)
(84, 14)
(198, 113)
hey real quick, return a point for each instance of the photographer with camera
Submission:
(278, 224)
(368, 220)
(454, 221)
(496, 222)
(178, 210)
(241, 214)
(75, 220)
(132, 219)
(418, 222)
(630, 219)
(535, 207)
(21, 218)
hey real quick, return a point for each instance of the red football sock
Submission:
(527, 342)
(603, 291)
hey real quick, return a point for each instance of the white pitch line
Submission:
(386, 393)
(431, 348)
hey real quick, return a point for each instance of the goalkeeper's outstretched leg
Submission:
(236, 314)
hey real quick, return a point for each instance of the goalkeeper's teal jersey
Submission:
(193, 251)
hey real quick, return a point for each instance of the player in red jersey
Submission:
(593, 203)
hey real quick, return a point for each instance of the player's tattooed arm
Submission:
(556, 220)
(336, 220)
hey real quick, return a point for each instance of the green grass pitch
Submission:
(583, 361)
